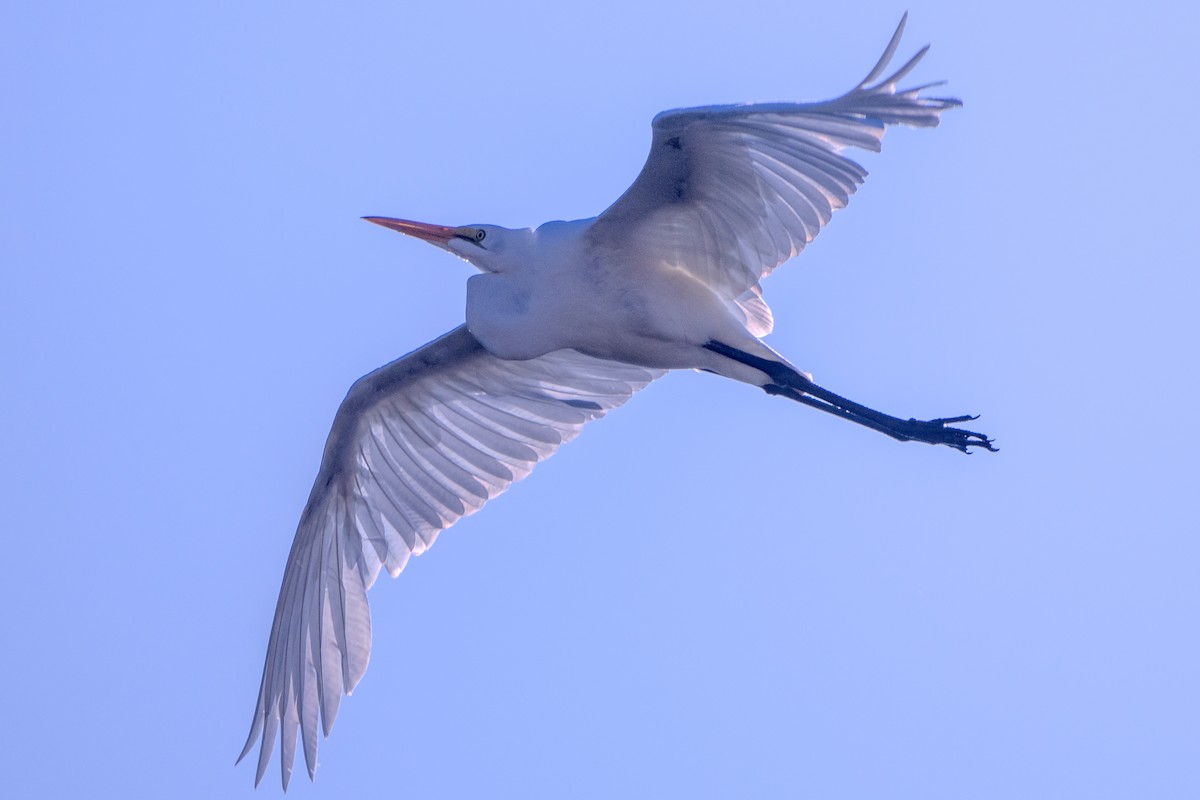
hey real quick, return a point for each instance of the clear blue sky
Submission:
(711, 593)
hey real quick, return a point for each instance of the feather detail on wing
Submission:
(415, 446)
(728, 193)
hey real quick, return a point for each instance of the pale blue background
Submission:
(712, 593)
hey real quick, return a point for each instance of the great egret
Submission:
(564, 323)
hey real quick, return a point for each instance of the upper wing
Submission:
(728, 193)
(415, 446)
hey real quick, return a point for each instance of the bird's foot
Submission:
(938, 431)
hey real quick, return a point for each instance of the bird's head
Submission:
(484, 246)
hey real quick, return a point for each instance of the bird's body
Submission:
(564, 323)
(563, 290)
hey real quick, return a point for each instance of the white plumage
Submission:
(564, 324)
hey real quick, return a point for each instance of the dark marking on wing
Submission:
(586, 405)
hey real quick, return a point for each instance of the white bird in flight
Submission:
(565, 322)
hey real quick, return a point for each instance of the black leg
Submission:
(786, 382)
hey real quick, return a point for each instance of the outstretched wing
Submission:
(728, 193)
(415, 446)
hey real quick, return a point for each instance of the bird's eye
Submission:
(470, 234)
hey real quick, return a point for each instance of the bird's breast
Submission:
(654, 317)
(500, 316)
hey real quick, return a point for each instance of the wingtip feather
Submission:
(888, 53)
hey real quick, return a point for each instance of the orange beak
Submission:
(434, 234)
